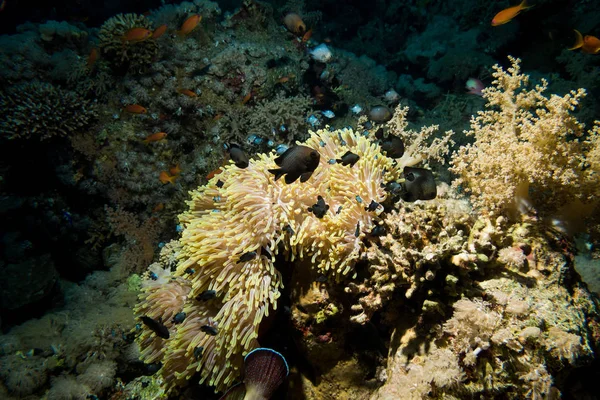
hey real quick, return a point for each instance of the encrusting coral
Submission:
(43, 111)
(233, 230)
(528, 144)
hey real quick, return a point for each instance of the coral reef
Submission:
(241, 211)
(528, 148)
(40, 110)
(134, 56)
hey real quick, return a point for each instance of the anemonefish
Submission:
(189, 25)
(509, 13)
(135, 35)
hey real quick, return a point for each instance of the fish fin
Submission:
(277, 172)
(265, 370)
(280, 159)
(305, 176)
(578, 40)
(524, 5)
(291, 178)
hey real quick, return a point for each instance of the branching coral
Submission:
(245, 210)
(41, 110)
(419, 237)
(128, 56)
(526, 141)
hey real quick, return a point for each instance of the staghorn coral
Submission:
(527, 142)
(124, 56)
(42, 110)
(244, 210)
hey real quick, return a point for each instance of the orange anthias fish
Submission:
(92, 57)
(509, 13)
(158, 32)
(306, 36)
(247, 98)
(189, 25)
(158, 208)
(135, 109)
(165, 178)
(155, 137)
(588, 44)
(176, 170)
(135, 35)
(187, 92)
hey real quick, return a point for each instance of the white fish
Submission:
(356, 109)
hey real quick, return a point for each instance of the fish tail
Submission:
(277, 172)
(524, 5)
(578, 40)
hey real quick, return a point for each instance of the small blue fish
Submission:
(312, 120)
(331, 161)
(281, 148)
(328, 114)
(322, 143)
(358, 198)
(67, 217)
(356, 109)
(282, 128)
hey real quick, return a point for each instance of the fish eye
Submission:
(410, 177)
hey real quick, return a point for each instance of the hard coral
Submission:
(524, 142)
(42, 110)
(245, 210)
(124, 56)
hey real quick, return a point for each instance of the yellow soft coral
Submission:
(246, 210)
(526, 141)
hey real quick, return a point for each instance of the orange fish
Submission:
(247, 98)
(509, 13)
(92, 57)
(158, 32)
(165, 178)
(176, 170)
(212, 174)
(588, 44)
(283, 79)
(189, 25)
(155, 137)
(187, 92)
(306, 36)
(135, 109)
(218, 117)
(135, 35)
(159, 207)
